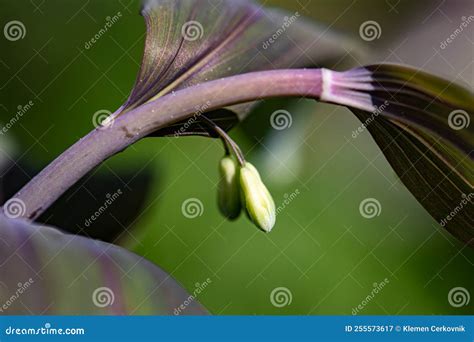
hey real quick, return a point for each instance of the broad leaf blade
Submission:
(190, 42)
(419, 99)
(411, 115)
(59, 273)
(444, 193)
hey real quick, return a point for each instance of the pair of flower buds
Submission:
(241, 186)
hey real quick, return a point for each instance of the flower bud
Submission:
(228, 193)
(256, 198)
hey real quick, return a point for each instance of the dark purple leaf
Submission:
(44, 271)
(422, 124)
(190, 42)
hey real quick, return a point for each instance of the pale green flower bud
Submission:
(256, 198)
(228, 193)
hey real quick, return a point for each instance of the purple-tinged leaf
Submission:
(422, 124)
(442, 191)
(44, 271)
(190, 42)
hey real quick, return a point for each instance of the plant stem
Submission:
(228, 141)
(135, 124)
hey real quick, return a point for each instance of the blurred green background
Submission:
(321, 250)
